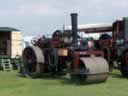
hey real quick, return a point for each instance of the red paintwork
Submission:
(76, 59)
(94, 30)
(55, 42)
(78, 54)
(88, 53)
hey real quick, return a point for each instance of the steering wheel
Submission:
(34, 40)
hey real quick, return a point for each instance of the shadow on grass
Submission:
(64, 80)
(68, 81)
(81, 83)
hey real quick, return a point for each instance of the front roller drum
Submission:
(91, 70)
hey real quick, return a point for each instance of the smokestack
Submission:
(74, 26)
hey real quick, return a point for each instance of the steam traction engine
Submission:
(116, 46)
(65, 52)
(113, 41)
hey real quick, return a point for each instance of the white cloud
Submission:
(61, 7)
(37, 15)
(38, 8)
(119, 3)
(33, 9)
(98, 8)
(4, 12)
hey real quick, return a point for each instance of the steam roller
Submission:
(81, 67)
(65, 53)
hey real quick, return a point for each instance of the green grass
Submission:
(11, 84)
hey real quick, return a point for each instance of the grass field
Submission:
(11, 84)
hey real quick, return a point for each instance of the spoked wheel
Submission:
(124, 65)
(54, 62)
(107, 56)
(107, 53)
(52, 59)
(62, 66)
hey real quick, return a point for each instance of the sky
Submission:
(37, 17)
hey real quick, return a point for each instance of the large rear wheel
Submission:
(107, 56)
(52, 60)
(32, 58)
(124, 64)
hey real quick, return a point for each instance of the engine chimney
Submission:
(74, 26)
